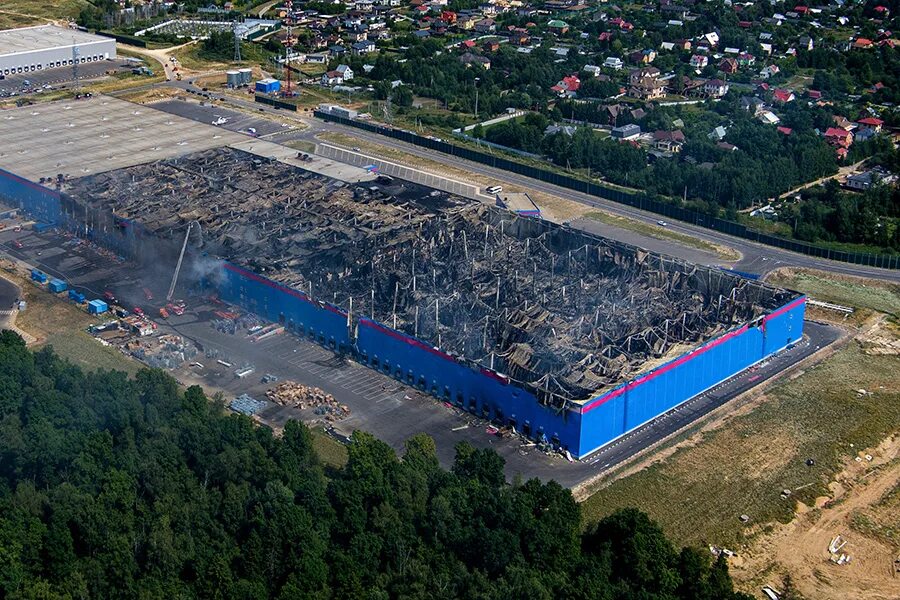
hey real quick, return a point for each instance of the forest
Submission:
(113, 487)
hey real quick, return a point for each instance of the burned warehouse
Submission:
(563, 335)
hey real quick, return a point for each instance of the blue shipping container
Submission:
(268, 86)
(96, 307)
(58, 285)
(76, 297)
(39, 276)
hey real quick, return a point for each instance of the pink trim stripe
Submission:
(785, 308)
(663, 369)
(401, 337)
(30, 184)
(683, 359)
(494, 375)
(295, 293)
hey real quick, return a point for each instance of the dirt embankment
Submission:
(862, 510)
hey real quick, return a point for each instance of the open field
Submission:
(62, 325)
(848, 291)
(699, 493)
(332, 452)
(21, 13)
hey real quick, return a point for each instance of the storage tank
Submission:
(245, 76)
(232, 79)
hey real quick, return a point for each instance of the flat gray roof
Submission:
(40, 37)
(92, 135)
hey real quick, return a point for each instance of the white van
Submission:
(493, 189)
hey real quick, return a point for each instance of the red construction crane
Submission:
(289, 42)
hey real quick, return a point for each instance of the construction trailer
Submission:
(57, 285)
(97, 307)
(565, 336)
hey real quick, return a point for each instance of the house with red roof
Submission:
(862, 43)
(870, 123)
(784, 130)
(839, 138)
(783, 96)
(568, 87)
(728, 65)
(814, 94)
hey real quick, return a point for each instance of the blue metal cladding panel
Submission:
(40, 202)
(414, 361)
(634, 403)
(280, 304)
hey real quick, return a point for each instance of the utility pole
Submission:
(76, 56)
(237, 43)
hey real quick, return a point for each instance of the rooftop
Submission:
(28, 39)
(79, 137)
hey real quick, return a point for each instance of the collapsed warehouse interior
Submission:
(563, 313)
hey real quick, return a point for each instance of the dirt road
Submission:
(801, 547)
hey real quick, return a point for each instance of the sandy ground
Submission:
(800, 547)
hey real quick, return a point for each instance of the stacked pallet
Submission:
(298, 395)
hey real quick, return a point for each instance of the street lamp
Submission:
(477, 79)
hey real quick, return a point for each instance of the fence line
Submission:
(636, 200)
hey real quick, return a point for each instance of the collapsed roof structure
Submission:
(563, 313)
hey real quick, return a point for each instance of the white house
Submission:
(345, 71)
(592, 70)
(613, 63)
(699, 61)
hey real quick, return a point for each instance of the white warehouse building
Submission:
(29, 49)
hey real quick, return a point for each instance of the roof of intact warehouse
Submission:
(29, 39)
(88, 136)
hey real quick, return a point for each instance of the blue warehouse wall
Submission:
(479, 390)
(40, 202)
(321, 321)
(632, 404)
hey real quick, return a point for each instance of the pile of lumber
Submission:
(298, 395)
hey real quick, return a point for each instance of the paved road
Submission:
(9, 293)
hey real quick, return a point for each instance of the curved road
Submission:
(756, 258)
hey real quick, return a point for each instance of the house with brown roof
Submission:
(645, 84)
(728, 65)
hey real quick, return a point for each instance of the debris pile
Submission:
(163, 352)
(834, 550)
(298, 395)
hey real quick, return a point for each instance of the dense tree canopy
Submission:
(118, 488)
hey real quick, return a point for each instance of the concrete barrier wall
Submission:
(399, 171)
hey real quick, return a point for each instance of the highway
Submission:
(755, 258)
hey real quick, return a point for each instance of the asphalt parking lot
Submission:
(212, 113)
(379, 404)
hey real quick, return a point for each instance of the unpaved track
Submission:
(801, 547)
